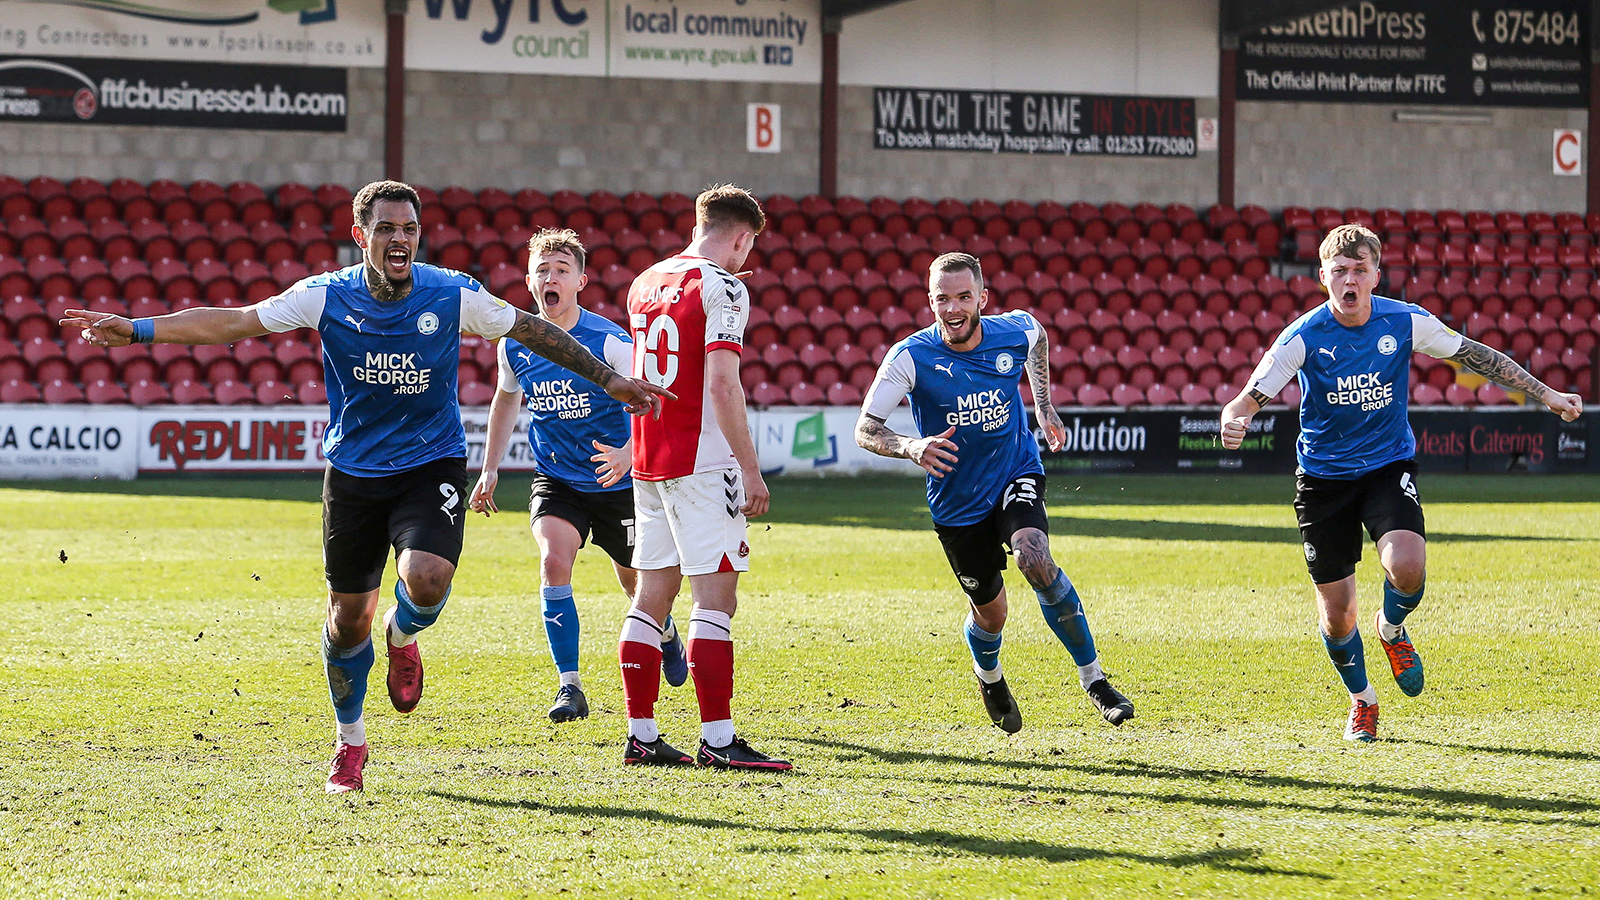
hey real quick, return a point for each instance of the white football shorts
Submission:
(691, 522)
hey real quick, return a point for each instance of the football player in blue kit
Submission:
(571, 427)
(1352, 356)
(985, 481)
(395, 447)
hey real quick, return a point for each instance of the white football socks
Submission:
(987, 676)
(393, 635)
(717, 734)
(572, 679)
(643, 729)
(354, 734)
(1390, 633)
(1089, 674)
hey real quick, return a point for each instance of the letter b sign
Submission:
(763, 133)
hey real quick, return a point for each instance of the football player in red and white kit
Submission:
(695, 478)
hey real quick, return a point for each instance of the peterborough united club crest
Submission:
(1003, 363)
(427, 323)
(1387, 345)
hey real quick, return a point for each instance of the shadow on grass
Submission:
(1237, 860)
(298, 486)
(1441, 804)
(1572, 755)
(1168, 530)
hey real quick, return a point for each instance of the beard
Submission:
(383, 287)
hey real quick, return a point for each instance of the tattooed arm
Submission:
(1502, 370)
(553, 343)
(936, 454)
(1038, 366)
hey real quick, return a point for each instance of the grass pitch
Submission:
(165, 726)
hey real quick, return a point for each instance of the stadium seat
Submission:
(104, 391)
(475, 393)
(1162, 395)
(1493, 395)
(19, 391)
(1093, 395)
(312, 393)
(147, 392)
(769, 395)
(234, 393)
(61, 391)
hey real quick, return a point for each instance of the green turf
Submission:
(164, 727)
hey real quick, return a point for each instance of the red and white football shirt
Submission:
(679, 310)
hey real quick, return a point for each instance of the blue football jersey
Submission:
(976, 391)
(1354, 383)
(390, 367)
(567, 413)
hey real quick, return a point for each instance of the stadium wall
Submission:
(1344, 155)
(146, 153)
(620, 134)
(1146, 47)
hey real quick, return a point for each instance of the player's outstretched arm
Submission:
(727, 404)
(1038, 366)
(502, 424)
(553, 343)
(936, 454)
(1502, 370)
(1237, 414)
(199, 325)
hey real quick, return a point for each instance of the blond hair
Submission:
(557, 240)
(1347, 241)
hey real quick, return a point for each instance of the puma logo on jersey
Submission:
(524, 355)
(1327, 351)
(352, 321)
(946, 368)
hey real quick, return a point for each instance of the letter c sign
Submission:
(1567, 152)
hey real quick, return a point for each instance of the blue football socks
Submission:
(561, 626)
(347, 676)
(1063, 612)
(1396, 606)
(985, 649)
(411, 618)
(1349, 659)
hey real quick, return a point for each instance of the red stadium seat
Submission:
(1493, 395)
(192, 393)
(1162, 395)
(475, 393)
(1093, 395)
(769, 395)
(148, 392)
(1127, 395)
(312, 393)
(60, 391)
(103, 391)
(19, 391)
(234, 393)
